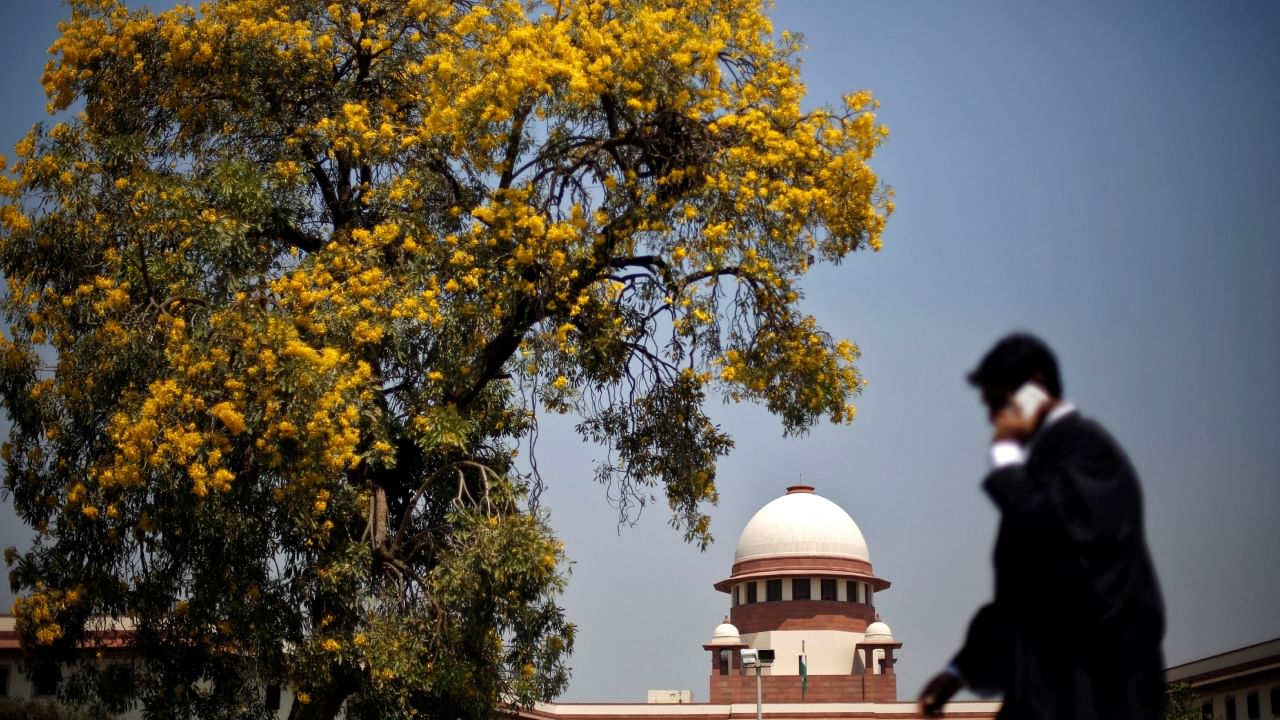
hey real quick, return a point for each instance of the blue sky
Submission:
(1104, 174)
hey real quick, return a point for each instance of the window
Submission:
(850, 591)
(1206, 710)
(751, 592)
(800, 589)
(1275, 701)
(867, 594)
(828, 589)
(273, 697)
(772, 590)
(4, 681)
(1251, 706)
(46, 680)
(1230, 704)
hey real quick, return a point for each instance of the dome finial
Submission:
(726, 633)
(878, 631)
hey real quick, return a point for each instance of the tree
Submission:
(287, 293)
(1180, 702)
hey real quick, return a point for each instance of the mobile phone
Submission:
(1029, 399)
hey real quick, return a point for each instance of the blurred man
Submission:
(1075, 628)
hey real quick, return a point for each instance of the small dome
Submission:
(726, 633)
(878, 632)
(801, 523)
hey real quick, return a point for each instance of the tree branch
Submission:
(282, 229)
(513, 145)
(326, 190)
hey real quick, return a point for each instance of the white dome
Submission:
(725, 633)
(878, 632)
(801, 523)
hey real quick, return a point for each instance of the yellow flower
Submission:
(221, 480)
(230, 417)
(47, 634)
(286, 430)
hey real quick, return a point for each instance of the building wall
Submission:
(820, 689)
(1267, 697)
(21, 688)
(13, 683)
(829, 652)
(1219, 696)
(802, 615)
(111, 648)
(670, 697)
(1230, 685)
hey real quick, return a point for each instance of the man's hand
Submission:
(1010, 424)
(937, 692)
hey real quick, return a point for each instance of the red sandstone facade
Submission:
(864, 688)
(802, 615)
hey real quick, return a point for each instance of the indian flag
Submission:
(804, 675)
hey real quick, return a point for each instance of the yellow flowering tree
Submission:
(288, 284)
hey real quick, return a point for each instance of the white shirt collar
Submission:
(1063, 409)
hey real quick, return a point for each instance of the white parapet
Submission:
(670, 697)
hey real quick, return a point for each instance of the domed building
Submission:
(802, 585)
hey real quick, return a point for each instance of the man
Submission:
(1075, 628)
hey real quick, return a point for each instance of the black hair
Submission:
(1016, 359)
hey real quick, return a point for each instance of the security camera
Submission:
(752, 657)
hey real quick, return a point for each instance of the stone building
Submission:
(802, 586)
(1243, 684)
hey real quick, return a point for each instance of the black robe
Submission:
(1077, 621)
